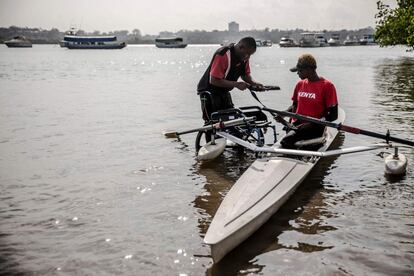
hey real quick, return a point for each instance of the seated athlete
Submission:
(313, 96)
(229, 63)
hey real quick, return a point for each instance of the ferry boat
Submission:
(286, 42)
(18, 42)
(170, 42)
(91, 42)
(74, 41)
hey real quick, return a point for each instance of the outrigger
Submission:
(273, 177)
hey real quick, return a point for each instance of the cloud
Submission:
(153, 16)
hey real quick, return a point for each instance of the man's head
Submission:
(305, 67)
(245, 48)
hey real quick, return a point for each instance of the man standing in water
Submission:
(313, 96)
(229, 63)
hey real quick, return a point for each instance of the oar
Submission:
(387, 137)
(264, 88)
(219, 125)
(275, 116)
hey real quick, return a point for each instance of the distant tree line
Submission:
(52, 36)
(274, 35)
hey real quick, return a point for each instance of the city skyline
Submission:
(168, 15)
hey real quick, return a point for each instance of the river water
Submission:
(89, 185)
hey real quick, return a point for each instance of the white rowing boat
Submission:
(257, 195)
(270, 181)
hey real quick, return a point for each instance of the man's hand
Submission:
(241, 85)
(257, 87)
(280, 119)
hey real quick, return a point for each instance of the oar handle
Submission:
(264, 88)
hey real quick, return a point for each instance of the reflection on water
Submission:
(293, 227)
(220, 175)
(394, 98)
(394, 82)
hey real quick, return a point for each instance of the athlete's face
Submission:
(244, 52)
(303, 73)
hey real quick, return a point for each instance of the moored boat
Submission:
(351, 41)
(267, 43)
(286, 42)
(263, 43)
(334, 40)
(18, 42)
(258, 194)
(170, 42)
(367, 39)
(320, 37)
(91, 42)
(308, 40)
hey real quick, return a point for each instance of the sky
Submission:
(153, 16)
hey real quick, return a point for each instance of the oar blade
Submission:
(171, 134)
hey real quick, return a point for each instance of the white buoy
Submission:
(212, 149)
(395, 164)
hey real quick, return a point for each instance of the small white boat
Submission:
(18, 42)
(267, 43)
(334, 40)
(308, 40)
(170, 42)
(258, 194)
(286, 42)
(351, 41)
(320, 37)
(263, 43)
(367, 39)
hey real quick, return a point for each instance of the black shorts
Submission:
(305, 131)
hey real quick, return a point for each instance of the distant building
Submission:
(234, 27)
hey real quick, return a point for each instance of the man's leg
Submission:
(304, 132)
(206, 107)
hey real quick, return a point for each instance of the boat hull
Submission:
(80, 46)
(256, 196)
(253, 217)
(18, 44)
(171, 46)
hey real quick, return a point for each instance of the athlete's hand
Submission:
(241, 85)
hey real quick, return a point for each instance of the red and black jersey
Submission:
(224, 65)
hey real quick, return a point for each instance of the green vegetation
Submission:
(395, 26)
